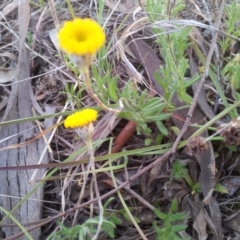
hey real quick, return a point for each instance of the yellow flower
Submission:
(81, 37)
(81, 118)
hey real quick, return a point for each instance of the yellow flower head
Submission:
(81, 118)
(81, 37)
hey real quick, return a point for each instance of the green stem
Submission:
(9, 214)
(70, 8)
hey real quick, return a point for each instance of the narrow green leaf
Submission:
(159, 214)
(220, 188)
(178, 228)
(177, 216)
(162, 128)
(174, 205)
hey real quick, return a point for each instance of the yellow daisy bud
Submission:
(81, 118)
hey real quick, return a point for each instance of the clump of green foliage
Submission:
(171, 223)
(84, 231)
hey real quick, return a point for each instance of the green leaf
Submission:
(174, 205)
(109, 229)
(112, 89)
(176, 130)
(159, 214)
(168, 231)
(159, 139)
(177, 9)
(178, 228)
(160, 81)
(108, 202)
(162, 128)
(126, 216)
(92, 221)
(82, 233)
(196, 188)
(177, 216)
(220, 188)
(147, 141)
(190, 82)
(159, 117)
(115, 219)
(142, 100)
(154, 104)
(178, 170)
(237, 96)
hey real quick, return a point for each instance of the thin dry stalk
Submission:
(85, 177)
(92, 165)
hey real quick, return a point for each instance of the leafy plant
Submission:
(173, 43)
(231, 73)
(171, 226)
(142, 109)
(231, 70)
(231, 25)
(138, 106)
(74, 96)
(83, 231)
(179, 171)
(89, 228)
